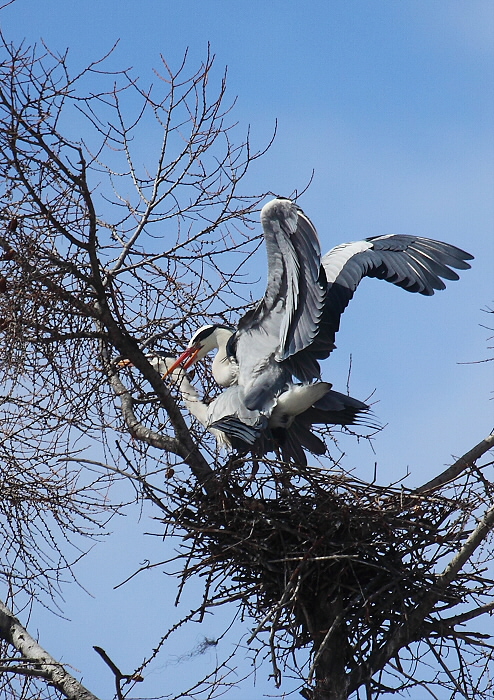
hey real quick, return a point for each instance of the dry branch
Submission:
(452, 472)
(41, 663)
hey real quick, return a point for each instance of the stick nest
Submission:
(294, 548)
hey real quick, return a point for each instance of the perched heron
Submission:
(294, 325)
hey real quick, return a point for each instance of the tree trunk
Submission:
(331, 647)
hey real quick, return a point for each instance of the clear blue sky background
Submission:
(391, 104)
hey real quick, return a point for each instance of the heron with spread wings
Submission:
(269, 364)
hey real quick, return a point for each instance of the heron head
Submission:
(204, 340)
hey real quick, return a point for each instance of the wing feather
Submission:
(287, 318)
(416, 264)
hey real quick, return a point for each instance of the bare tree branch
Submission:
(467, 460)
(41, 661)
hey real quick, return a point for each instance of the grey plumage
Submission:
(294, 325)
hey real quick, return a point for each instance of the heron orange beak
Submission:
(187, 358)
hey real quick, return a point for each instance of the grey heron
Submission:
(294, 325)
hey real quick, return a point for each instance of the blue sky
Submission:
(391, 104)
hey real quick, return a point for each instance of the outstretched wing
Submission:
(286, 320)
(416, 264)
